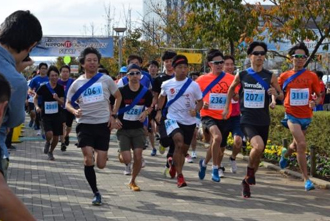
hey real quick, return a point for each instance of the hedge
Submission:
(318, 133)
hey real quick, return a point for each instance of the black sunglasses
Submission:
(217, 62)
(257, 53)
(299, 56)
(134, 73)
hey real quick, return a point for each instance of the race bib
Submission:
(170, 126)
(217, 101)
(299, 97)
(51, 107)
(93, 94)
(134, 113)
(254, 98)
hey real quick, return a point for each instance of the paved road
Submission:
(58, 190)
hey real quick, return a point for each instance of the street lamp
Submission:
(118, 31)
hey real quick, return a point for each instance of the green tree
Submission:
(297, 20)
(222, 23)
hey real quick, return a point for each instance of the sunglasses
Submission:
(134, 73)
(217, 62)
(257, 53)
(299, 56)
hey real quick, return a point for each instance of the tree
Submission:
(222, 23)
(296, 20)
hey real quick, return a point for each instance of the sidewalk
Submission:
(58, 190)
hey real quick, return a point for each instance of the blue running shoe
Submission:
(97, 200)
(309, 185)
(215, 175)
(283, 161)
(202, 169)
(153, 152)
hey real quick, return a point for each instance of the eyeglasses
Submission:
(217, 62)
(299, 56)
(134, 73)
(257, 53)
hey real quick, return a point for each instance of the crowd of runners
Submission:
(142, 104)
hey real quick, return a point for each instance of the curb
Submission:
(321, 183)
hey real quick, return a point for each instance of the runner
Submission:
(257, 84)
(184, 100)
(91, 91)
(34, 85)
(135, 98)
(67, 117)
(164, 141)
(299, 84)
(215, 86)
(233, 123)
(50, 110)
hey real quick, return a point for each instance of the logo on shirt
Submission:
(172, 91)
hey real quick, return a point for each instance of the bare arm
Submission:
(11, 208)
(160, 104)
(117, 103)
(278, 93)
(35, 101)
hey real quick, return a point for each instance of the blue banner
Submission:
(72, 46)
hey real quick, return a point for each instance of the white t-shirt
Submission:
(180, 109)
(94, 101)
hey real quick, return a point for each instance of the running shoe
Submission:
(97, 200)
(166, 172)
(283, 161)
(172, 170)
(153, 152)
(63, 147)
(309, 185)
(143, 162)
(202, 170)
(250, 178)
(67, 140)
(233, 165)
(128, 170)
(38, 132)
(189, 159)
(31, 123)
(194, 155)
(221, 173)
(161, 149)
(133, 187)
(46, 147)
(181, 181)
(215, 175)
(246, 193)
(51, 156)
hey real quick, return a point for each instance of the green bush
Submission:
(318, 133)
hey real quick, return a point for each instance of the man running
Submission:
(299, 84)
(131, 115)
(257, 84)
(50, 110)
(184, 100)
(67, 117)
(215, 86)
(164, 141)
(91, 91)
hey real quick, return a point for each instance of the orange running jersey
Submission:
(217, 96)
(299, 92)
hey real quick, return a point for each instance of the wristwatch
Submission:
(114, 116)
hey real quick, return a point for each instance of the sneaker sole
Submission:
(182, 185)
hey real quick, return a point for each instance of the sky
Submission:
(75, 17)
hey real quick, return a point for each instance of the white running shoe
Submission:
(189, 159)
(233, 165)
(143, 163)
(221, 173)
(128, 169)
(194, 155)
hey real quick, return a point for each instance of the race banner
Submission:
(72, 46)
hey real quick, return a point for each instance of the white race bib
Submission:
(254, 98)
(217, 101)
(134, 113)
(93, 94)
(51, 107)
(170, 126)
(299, 97)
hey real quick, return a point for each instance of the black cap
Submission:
(179, 59)
(133, 66)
